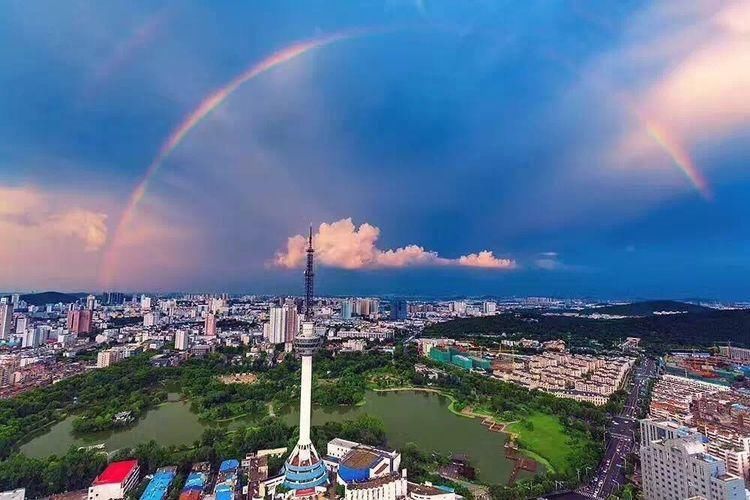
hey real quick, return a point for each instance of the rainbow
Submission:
(124, 52)
(679, 155)
(209, 104)
(655, 130)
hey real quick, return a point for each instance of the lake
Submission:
(169, 423)
(416, 417)
(423, 418)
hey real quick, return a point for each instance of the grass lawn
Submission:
(544, 437)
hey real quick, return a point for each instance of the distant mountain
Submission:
(647, 308)
(39, 299)
(659, 332)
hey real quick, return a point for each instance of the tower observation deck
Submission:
(304, 470)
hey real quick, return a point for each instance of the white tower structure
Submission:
(304, 470)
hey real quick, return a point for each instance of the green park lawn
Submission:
(543, 435)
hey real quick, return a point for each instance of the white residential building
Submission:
(22, 323)
(489, 307)
(6, 321)
(276, 325)
(111, 356)
(32, 338)
(675, 466)
(151, 319)
(181, 340)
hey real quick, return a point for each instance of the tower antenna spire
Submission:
(309, 278)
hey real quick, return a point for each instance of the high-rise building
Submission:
(8, 366)
(109, 357)
(80, 321)
(209, 328)
(32, 338)
(459, 307)
(291, 322)
(151, 318)
(399, 310)
(347, 307)
(6, 321)
(145, 303)
(181, 340)
(91, 302)
(276, 325)
(215, 305)
(168, 306)
(489, 307)
(114, 298)
(304, 470)
(21, 324)
(65, 339)
(366, 308)
(15, 300)
(676, 466)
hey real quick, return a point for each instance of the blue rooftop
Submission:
(195, 481)
(228, 465)
(158, 486)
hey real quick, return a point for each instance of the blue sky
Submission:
(480, 147)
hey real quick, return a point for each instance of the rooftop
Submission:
(116, 472)
(374, 483)
(17, 494)
(158, 486)
(360, 459)
(343, 443)
(423, 489)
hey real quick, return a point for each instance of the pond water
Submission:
(169, 423)
(416, 417)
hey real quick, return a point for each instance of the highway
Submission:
(610, 474)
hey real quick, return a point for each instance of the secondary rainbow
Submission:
(210, 103)
(125, 52)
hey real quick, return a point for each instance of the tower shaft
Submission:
(305, 405)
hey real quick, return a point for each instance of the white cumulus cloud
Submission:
(343, 245)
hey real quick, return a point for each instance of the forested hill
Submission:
(648, 307)
(659, 332)
(39, 299)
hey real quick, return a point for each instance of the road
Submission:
(610, 474)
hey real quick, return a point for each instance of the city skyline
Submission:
(544, 148)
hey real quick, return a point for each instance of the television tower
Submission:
(304, 470)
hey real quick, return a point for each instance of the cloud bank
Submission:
(27, 214)
(343, 245)
(48, 239)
